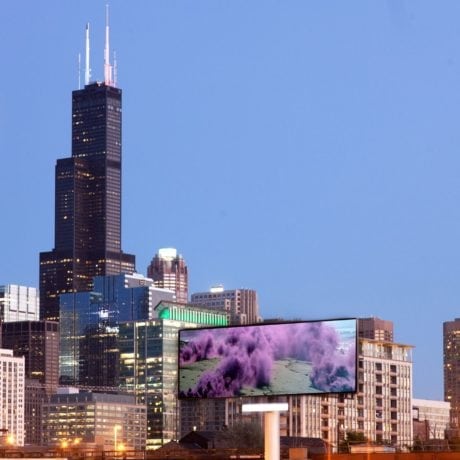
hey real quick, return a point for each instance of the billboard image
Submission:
(268, 359)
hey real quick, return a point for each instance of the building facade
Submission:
(87, 227)
(19, 303)
(451, 352)
(89, 355)
(169, 271)
(240, 305)
(12, 396)
(376, 329)
(380, 410)
(431, 419)
(100, 420)
(148, 355)
(38, 343)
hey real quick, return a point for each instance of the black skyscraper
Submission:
(87, 234)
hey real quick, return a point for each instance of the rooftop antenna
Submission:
(107, 66)
(79, 71)
(87, 68)
(115, 69)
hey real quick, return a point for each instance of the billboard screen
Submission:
(305, 357)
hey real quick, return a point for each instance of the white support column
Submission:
(271, 426)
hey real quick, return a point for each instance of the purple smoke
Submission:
(247, 354)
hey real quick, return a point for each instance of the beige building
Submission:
(105, 421)
(12, 371)
(241, 305)
(381, 409)
(431, 419)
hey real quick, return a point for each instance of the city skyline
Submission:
(305, 151)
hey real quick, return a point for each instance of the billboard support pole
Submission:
(271, 426)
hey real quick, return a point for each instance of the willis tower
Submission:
(87, 228)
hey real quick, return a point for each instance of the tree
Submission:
(245, 434)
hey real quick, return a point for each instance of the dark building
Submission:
(38, 343)
(451, 351)
(87, 233)
(375, 329)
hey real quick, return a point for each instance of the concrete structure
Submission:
(12, 396)
(169, 271)
(148, 355)
(89, 326)
(431, 419)
(99, 420)
(451, 349)
(240, 305)
(19, 303)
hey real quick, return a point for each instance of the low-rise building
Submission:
(101, 420)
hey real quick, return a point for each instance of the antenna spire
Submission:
(87, 68)
(107, 66)
(79, 71)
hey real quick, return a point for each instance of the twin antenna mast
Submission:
(110, 72)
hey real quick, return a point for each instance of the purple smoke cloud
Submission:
(247, 355)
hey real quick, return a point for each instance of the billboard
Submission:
(292, 358)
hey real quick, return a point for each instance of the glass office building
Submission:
(89, 324)
(149, 368)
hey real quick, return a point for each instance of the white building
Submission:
(19, 303)
(12, 396)
(432, 418)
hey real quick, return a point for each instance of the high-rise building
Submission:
(375, 329)
(89, 326)
(169, 271)
(381, 409)
(451, 340)
(148, 356)
(87, 227)
(12, 396)
(18, 303)
(241, 305)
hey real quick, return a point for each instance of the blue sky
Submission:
(309, 150)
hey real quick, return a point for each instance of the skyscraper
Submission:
(451, 340)
(169, 271)
(87, 229)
